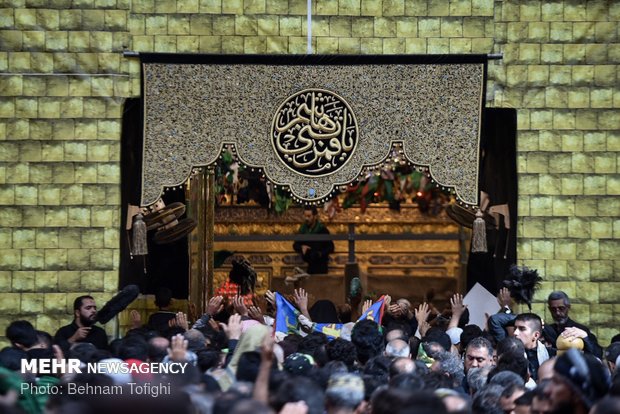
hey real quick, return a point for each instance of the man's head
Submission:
(579, 380)
(21, 334)
(397, 348)
(344, 392)
(367, 339)
(396, 333)
(545, 370)
(311, 216)
(528, 328)
(509, 395)
(479, 353)
(559, 305)
(85, 310)
(402, 366)
(158, 348)
(404, 304)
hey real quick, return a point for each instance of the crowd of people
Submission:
(411, 360)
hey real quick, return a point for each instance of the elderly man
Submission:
(558, 304)
(83, 328)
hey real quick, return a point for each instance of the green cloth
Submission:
(31, 403)
(319, 228)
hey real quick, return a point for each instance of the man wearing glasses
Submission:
(559, 305)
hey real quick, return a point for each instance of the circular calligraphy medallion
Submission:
(314, 132)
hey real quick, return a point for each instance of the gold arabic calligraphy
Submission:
(314, 132)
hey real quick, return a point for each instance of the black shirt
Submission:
(96, 336)
(159, 320)
(590, 343)
(317, 256)
(532, 359)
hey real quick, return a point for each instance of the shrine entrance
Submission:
(383, 145)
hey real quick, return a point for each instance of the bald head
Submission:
(402, 366)
(397, 348)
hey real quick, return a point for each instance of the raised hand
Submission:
(266, 349)
(255, 313)
(178, 348)
(456, 303)
(367, 304)
(423, 328)
(503, 297)
(271, 298)
(387, 300)
(301, 299)
(239, 305)
(181, 320)
(395, 310)
(421, 314)
(215, 305)
(213, 324)
(135, 319)
(233, 328)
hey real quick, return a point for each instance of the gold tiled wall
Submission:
(62, 85)
(63, 80)
(560, 70)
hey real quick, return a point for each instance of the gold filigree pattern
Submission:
(314, 132)
(193, 110)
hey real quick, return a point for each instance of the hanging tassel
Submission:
(139, 237)
(479, 239)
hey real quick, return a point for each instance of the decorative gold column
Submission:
(196, 195)
(209, 230)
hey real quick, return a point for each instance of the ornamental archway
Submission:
(312, 123)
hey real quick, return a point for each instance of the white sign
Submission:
(480, 301)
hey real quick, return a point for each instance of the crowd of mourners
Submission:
(416, 360)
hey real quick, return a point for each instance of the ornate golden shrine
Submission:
(313, 125)
(428, 256)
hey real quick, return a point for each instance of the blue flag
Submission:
(331, 330)
(286, 316)
(334, 330)
(375, 312)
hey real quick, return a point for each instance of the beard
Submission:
(87, 321)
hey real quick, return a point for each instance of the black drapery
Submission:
(166, 265)
(498, 178)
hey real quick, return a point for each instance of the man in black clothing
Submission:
(559, 306)
(315, 253)
(82, 329)
(528, 328)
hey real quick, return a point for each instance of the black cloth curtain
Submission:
(498, 178)
(167, 265)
